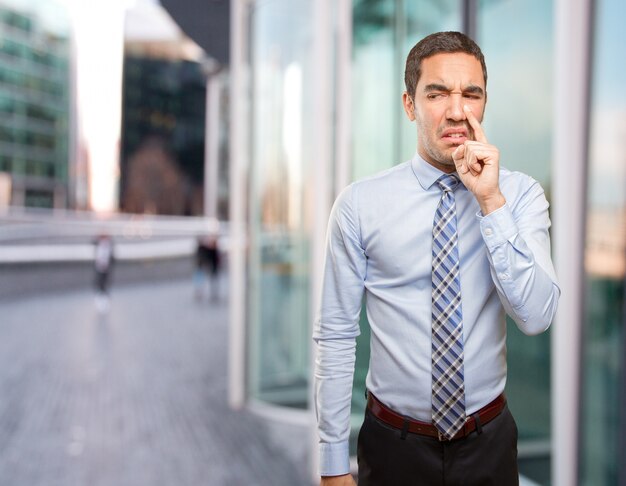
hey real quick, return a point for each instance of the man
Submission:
(441, 247)
(103, 265)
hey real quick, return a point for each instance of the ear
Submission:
(409, 107)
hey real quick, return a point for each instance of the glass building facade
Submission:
(279, 92)
(279, 201)
(163, 124)
(34, 101)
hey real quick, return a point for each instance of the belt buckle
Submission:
(441, 437)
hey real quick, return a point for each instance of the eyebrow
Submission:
(471, 89)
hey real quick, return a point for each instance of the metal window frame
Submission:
(239, 160)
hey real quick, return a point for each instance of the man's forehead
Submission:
(446, 68)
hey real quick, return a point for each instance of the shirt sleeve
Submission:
(335, 332)
(518, 244)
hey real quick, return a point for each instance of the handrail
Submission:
(29, 235)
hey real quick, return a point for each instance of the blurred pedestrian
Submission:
(207, 267)
(103, 265)
(440, 247)
(213, 265)
(199, 274)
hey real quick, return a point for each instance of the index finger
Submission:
(475, 124)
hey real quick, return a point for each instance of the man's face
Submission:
(447, 82)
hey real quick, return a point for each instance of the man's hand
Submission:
(345, 480)
(477, 163)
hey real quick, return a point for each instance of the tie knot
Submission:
(448, 182)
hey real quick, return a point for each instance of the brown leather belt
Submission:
(388, 416)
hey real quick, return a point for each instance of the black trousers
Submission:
(483, 458)
(102, 282)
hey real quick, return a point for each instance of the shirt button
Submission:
(488, 231)
(504, 276)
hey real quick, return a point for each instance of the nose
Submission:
(455, 107)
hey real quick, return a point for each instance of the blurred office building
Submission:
(316, 103)
(35, 104)
(163, 152)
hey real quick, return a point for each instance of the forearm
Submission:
(521, 270)
(528, 294)
(334, 371)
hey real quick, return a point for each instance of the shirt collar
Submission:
(426, 174)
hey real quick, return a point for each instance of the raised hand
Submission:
(477, 163)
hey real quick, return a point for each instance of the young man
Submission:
(441, 247)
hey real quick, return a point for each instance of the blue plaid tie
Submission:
(448, 394)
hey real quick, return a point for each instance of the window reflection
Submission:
(605, 250)
(280, 227)
(518, 120)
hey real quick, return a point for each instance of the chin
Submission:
(441, 158)
(445, 160)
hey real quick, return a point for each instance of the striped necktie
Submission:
(448, 393)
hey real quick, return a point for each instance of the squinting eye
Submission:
(434, 96)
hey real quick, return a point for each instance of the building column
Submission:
(238, 150)
(343, 88)
(572, 68)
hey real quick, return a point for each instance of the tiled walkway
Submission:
(135, 398)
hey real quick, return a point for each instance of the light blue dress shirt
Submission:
(379, 245)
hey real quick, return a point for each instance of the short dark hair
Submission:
(438, 43)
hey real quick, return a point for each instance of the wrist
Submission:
(341, 480)
(491, 203)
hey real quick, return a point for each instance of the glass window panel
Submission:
(278, 306)
(374, 87)
(383, 34)
(420, 19)
(519, 57)
(518, 120)
(605, 256)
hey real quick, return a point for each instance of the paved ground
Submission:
(131, 399)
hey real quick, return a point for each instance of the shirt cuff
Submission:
(497, 227)
(334, 458)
